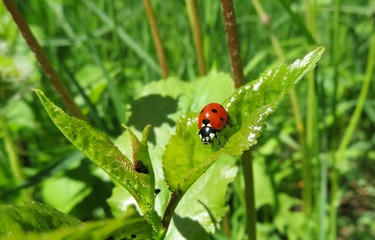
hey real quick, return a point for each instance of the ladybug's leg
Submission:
(220, 142)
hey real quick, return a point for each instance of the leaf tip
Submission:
(42, 97)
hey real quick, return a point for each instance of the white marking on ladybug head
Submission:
(206, 125)
(212, 135)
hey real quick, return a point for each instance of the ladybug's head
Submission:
(206, 134)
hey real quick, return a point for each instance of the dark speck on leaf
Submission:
(140, 167)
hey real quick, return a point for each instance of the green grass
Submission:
(314, 161)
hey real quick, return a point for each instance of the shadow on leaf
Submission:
(152, 109)
(190, 229)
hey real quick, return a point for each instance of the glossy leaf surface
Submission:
(186, 158)
(100, 149)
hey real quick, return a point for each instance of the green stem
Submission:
(334, 173)
(249, 194)
(156, 37)
(361, 102)
(311, 138)
(197, 35)
(43, 61)
(311, 122)
(172, 204)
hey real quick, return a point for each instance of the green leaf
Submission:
(64, 193)
(142, 160)
(99, 148)
(186, 158)
(160, 103)
(199, 213)
(36, 221)
(287, 215)
(121, 202)
(31, 216)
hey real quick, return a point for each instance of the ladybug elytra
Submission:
(211, 120)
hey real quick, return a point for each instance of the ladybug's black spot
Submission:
(205, 121)
(214, 110)
(140, 167)
(221, 119)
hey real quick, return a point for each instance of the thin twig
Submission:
(43, 61)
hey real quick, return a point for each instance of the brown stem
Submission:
(51, 74)
(233, 43)
(173, 202)
(197, 35)
(239, 79)
(156, 36)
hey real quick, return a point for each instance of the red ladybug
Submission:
(212, 119)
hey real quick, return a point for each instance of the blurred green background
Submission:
(104, 52)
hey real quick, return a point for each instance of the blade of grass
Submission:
(93, 112)
(156, 37)
(297, 20)
(128, 40)
(113, 90)
(197, 35)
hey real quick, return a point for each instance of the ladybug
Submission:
(211, 120)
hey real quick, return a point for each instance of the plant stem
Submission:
(43, 61)
(311, 138)
(233, 43)
(172, 204)
(197, 35)
(247, 165)
(239, 79)
(156, 37)
(311, 124)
